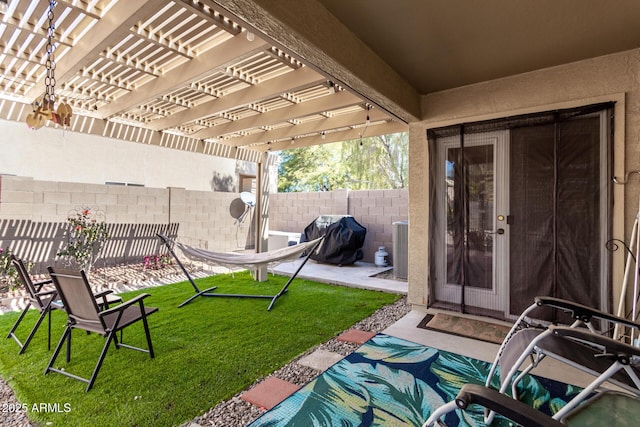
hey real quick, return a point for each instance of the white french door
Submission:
(472, 265)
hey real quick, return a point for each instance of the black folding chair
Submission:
(42, 300)
(84, 313)
(45, 300)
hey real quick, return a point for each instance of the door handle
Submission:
(498, 231)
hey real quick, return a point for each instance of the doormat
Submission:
(463, 327)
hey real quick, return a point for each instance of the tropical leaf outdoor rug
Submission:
(392, 382)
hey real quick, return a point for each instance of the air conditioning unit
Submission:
(401, 249)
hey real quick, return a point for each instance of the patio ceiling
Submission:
(181, 74)
(397, 51)
(444, 44)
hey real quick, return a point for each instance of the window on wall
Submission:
(129, 184)
(247, 183)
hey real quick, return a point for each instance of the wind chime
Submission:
(45, 109)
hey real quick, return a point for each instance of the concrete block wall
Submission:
(292, 212)
(376, 210)
(205, 220)
(203, 216)
(49, 201)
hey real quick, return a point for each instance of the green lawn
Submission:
(206, 351)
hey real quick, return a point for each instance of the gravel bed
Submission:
(10, 415)
(235, 411)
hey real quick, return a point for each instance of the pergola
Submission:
(187, 75)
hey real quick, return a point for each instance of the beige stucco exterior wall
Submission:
(609, 78)
(50, 154)
(418, 215)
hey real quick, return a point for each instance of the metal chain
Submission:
(49, 98)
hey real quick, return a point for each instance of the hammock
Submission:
(249, 261)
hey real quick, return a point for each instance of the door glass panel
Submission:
(470, 241)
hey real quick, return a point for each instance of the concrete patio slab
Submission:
(358, 275)
(320, 360)
(269, 392)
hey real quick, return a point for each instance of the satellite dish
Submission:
(249, 199)
(237, 208)
(240, 207)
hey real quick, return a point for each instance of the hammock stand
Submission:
(227, 259)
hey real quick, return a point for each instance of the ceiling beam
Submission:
(206, 63)
(84, 9)
(339, 136)
(315, 106)
(29, 57)
(111, 28)
(316, 126)
(126, 61)
(300, 78)
(13, 23)
(165, 43)
(295, 26)
(210, 14)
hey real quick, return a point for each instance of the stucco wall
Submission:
(609, 78)
(50, 154)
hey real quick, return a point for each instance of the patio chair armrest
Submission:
(103, 293)
(504, 405)
(622, 351)
(137, 300)
(582, 312)
(46, 293)
(40, 284)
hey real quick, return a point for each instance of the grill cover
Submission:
(343, 242)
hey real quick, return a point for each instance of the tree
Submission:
(378, 162)
(315, 168)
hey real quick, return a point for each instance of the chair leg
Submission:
(56, 352)
(49, 330)
(439, 412)
(33, 331)
(580, 397)
(15, 325)
(146, 331)
(100, 360)
(69, 346)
